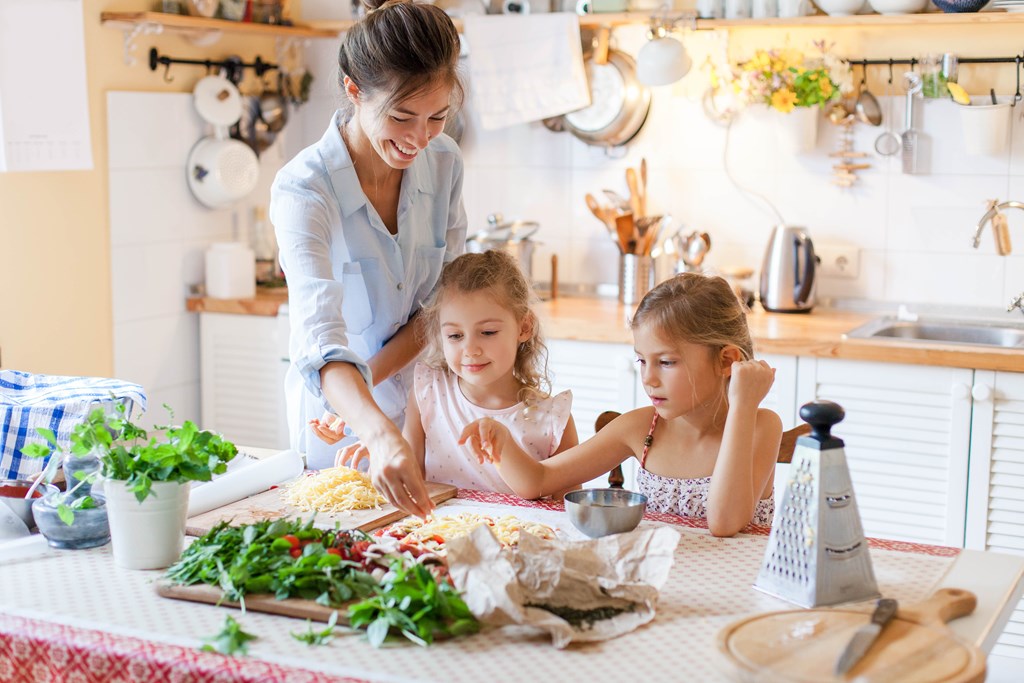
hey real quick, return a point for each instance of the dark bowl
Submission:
(958, 6)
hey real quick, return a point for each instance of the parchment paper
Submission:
(619, 575)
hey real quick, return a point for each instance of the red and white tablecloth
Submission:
(74, 617)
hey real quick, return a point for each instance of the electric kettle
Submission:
(788, 271)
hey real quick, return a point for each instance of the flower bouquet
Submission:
(788, 78)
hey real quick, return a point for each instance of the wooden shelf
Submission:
(179, 23)
(821, 20)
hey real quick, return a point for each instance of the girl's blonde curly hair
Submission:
(497, 273)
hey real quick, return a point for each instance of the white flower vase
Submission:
(150, 534)
(796, 131)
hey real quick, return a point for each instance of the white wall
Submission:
(913, 232)
(159, 234)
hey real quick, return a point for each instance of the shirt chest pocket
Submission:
(355, 303)
(427, 269)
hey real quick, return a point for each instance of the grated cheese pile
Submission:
(335, 489)
(506, 528)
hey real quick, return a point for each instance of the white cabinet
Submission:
(243, 359)
(782, 397)
(602, 377)
(995, 499)
(907, 433)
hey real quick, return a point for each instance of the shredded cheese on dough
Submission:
(335, 489)
(506, 529)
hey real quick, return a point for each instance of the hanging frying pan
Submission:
(619, 103)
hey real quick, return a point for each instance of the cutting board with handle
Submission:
(270, 505)
(289, 607)
(802, 646)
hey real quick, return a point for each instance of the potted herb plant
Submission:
(146, 481)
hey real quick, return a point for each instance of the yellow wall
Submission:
(55, 311)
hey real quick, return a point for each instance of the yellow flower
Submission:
(826, 88)
(813, 76)
(784, 100)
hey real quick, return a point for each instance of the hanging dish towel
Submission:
(54, 402)
(525, 67)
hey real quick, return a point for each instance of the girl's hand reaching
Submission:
(750, 383)
(352, 455)
(486, 439)
(330, 428)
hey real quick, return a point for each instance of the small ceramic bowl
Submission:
(839, 8)
(959, 6)
(898, 6)
(601, 512)
(12, 493)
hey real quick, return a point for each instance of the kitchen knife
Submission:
(861, 641)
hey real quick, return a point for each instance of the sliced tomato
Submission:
(334, 551)
(437, 538)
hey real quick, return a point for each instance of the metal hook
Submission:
(1017, 95)
(890, 70)
(863, 73)
(168, 78)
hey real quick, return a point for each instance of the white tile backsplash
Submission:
(172, 355)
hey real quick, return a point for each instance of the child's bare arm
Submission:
(570, 438)
(491, 441)
(750, 446)
(413, 431)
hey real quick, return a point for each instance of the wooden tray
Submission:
(270, 505)
(257, 602)
(802, 646)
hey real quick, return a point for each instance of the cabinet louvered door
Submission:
(907, 434)
(995, 502)
(602, 377)
(242, 366)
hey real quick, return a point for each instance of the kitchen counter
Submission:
(118, 624)
(818, 334)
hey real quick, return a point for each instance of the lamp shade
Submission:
(662, 61)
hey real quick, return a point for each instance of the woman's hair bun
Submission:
(372, 5)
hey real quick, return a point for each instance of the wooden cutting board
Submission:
(270, 505)
(802, 646)
(289, 607)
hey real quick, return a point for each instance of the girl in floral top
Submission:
(705, 447)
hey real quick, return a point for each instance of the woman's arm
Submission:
(750, 447)
(398, 351)
(491, 441)
(393, 466)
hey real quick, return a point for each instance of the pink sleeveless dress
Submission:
(686, 497)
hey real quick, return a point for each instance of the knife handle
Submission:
(884, 611)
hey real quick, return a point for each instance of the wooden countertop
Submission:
(818, 334)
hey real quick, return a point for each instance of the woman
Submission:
(365, 219)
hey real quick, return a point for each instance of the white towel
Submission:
(525, 68)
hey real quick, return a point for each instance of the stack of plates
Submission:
(1009, 5)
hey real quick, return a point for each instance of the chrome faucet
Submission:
(992, 210)
(1017, 303)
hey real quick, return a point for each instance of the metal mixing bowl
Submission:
(601, 512)
(18, 503)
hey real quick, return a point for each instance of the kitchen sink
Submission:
(939, 331)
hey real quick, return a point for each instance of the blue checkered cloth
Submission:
(53, 402)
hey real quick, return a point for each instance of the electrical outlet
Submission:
(838, 260)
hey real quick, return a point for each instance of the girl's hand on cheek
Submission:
(751, 381)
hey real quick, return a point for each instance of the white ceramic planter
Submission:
(986, 126)
(797, 131)
(150, 534)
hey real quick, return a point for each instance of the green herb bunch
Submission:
(258, 558)
(127, 453)
(411, 601)
(231, 640)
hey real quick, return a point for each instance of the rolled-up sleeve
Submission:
(455, 237)
(319, 335)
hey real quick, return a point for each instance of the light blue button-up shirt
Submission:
(351, 283)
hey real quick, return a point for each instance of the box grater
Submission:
(817, 554)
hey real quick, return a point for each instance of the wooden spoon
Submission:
(625, 229)
(635, 195)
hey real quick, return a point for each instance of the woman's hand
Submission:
(352, 455)
(397, 474)
(329, 428)
(750, 383)
(486, 439)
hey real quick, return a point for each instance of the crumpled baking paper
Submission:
(617, 575)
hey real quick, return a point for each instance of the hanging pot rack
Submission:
(912, 62)
(232, 67)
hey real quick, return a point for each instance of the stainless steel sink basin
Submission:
(942, 332)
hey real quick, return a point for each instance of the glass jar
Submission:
(77, 468)
(933, 80)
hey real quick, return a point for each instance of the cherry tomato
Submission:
(291, 540)
(295, 552)
(334, 551)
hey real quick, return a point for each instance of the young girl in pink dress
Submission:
(705, 447)
(484, 359)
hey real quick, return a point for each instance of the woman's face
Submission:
(400, 132)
